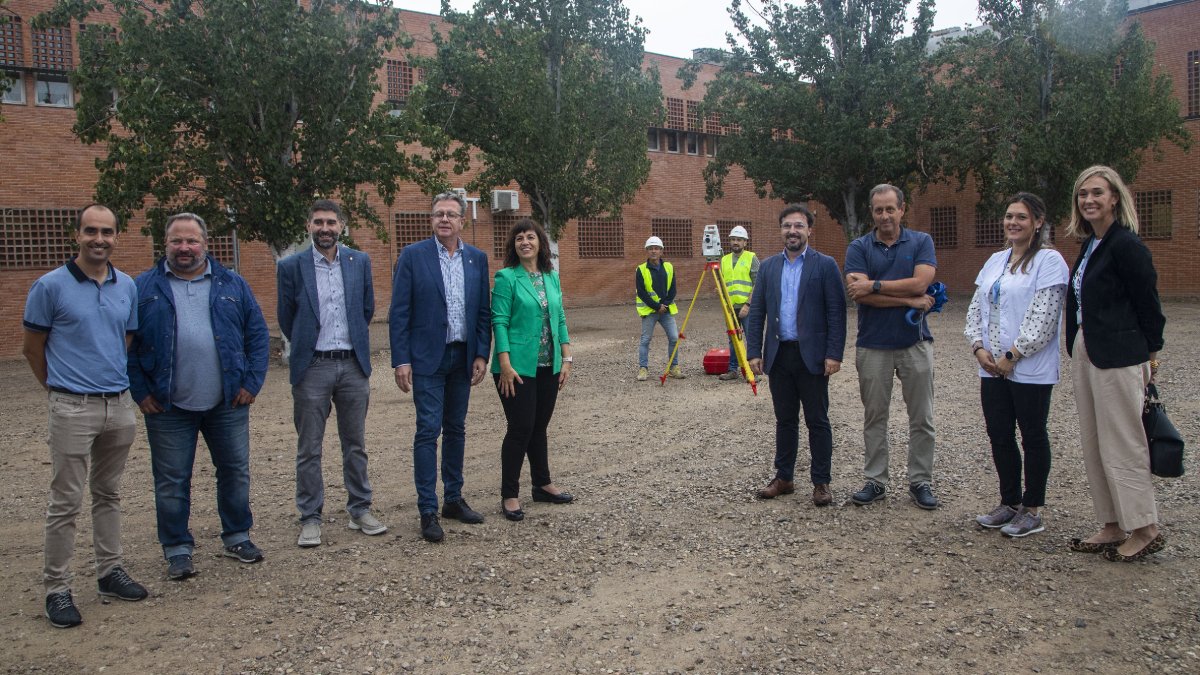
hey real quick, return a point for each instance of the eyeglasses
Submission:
(450, 215)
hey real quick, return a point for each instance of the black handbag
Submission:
(1166, 445)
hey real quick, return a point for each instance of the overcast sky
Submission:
(679, 26)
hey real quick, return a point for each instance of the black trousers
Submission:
(793, 387)
(1006, 406)
(528, 414)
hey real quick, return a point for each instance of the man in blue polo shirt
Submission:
(78, 319)
(197, 362)
(887, 273)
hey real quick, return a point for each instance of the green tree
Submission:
(553, 95)
(824, 100)
(1052, 88)
(5, 80)
(243, 111)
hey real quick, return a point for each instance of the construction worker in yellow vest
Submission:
(739, 269)
(655, 300)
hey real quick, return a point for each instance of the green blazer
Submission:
(517, 320)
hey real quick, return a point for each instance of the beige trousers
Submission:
(1115, 454)
(84, 428)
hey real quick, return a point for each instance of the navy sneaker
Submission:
(922, 494)
(179, 567)
(60, 609)
(117, 584)
(245, 552)
(871, 492)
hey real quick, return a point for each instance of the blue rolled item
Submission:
(938, 290)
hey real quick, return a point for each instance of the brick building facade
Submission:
(45, 173)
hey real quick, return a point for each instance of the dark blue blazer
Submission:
(820, 313)
(299, 309)
(418, 321)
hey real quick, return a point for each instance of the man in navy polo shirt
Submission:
(887, 273)
(78, 319)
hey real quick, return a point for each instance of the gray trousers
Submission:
(876, 368)
(342, 385)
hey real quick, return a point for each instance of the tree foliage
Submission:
(826, 100)
(243, 110)
(1053, 87)
(5, 80)
(553, 95)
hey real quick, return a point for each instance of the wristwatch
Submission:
(568, 359)
(1010, 356)
(876, 286)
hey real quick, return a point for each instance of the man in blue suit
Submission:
(326, 301)
(800, 305)
(441, 333)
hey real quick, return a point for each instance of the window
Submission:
(989, 232)
(675, 113)
(410, 227)
(693, 116)
(12, 57)
(1193, 84)
(710, 146)
(14, 83)
(724, 226)
(601, 237)
(692, 143)
(502, 224)
(943, 226)
(52, 58)
(36, 238)
(399, 82)
(652, 142)
(672, 141)
(1153, 213)
(676, 234)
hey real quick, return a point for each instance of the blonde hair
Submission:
(1126, 213)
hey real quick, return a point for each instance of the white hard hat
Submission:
(739, 231)
(653, 241)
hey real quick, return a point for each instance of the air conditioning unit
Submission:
(505, 200)
(461, 192)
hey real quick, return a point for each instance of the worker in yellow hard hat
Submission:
(655, 300)
(739, 269)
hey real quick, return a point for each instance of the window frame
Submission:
(672, 135)
(653, 134)
(17, 86)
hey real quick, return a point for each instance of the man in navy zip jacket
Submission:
(198, 359)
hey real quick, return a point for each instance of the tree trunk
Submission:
(285, 351)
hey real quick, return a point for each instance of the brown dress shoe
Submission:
(777, 487)
(822, 495)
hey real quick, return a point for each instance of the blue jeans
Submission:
(441, 401)
(331, 383)
(668, 323)
(172, 435)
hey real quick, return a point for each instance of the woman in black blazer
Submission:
(1114, 333)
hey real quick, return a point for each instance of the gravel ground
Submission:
(665, 563)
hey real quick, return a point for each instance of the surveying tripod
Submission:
(732, 326)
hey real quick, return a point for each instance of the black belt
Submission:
(103, 394)
(336, 354)
(456, 343)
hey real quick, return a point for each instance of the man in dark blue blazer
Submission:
(326, 301)
(800, 305)
(441, 333)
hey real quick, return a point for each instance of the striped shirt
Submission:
(456, 297)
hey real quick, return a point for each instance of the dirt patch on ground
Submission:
(666, 562)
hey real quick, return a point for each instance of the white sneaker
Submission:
(310, 534)
(643, 374)
(368, 523)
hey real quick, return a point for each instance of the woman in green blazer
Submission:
(531, 361)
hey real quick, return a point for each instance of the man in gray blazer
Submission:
(326, 301)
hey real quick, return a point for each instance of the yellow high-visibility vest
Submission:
(642, 308)
(737, 277)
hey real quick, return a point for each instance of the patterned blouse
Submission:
(545, 357)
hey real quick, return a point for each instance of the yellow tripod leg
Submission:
(662, 380)
(734, 327)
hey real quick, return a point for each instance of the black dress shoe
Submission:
(540, 495)
(461, 512)
(431, 529)
(515, 515)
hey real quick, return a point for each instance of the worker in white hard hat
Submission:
(739, 269)
(655, 300)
